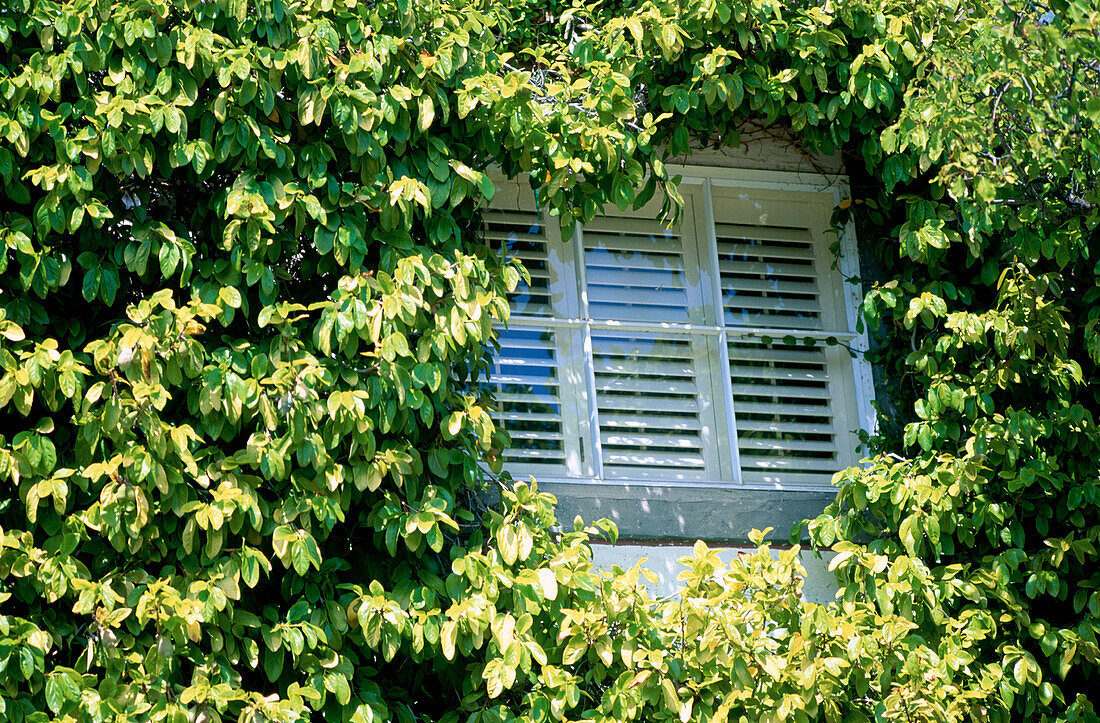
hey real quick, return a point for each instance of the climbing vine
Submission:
(246, 312)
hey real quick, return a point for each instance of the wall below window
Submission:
(819, 586)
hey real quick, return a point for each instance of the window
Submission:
(650, 359)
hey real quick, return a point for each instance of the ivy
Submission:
(246, 313)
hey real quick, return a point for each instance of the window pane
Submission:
(654, 420)
(786, 430)
(636, 271)
(522, 235)
(768, 276)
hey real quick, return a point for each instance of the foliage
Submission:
(997, 491)
(246, 313)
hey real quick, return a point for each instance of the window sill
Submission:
(661, 511)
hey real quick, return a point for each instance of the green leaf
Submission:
(426, 113)
(55, 695)
(549, 583)
(230, 297)
(985, 189)
(90, 288)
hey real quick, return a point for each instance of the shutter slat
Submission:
(765, 233)
(538, 434)
(623, 266)
(523, 300)
(780, 391)
(775, 352)
(637, 312)
(799, 464)
(792, 445)
(511, 234)
(506, 381)
(630, 294)
(659, 367)
(541, 454)
(785, 477)
(533, 260)
(527, 416)
(512, 340)
(521, 357)
(646, 458)
(618, 439)
(644, 277)
(620, 349)
(645, 404)
(741, 406)
(613, 421)
(631, 248)
(756, 425)
(536, 275)
(645, 386)
(764, 268)
(771, 304)
(787, 373)
(757, 251)
(782, 321)
(508, 362)
(530, 398)
(790, 286)
(612, 345)
(627, 225)
(501, 216)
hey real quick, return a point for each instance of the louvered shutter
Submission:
(787, 428)
(638, 270)
(536, 383)
(769, 276)
(522, 234)
(652, 399)
(529, 401)
(792, 401)
(653, 390)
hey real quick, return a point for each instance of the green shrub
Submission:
(246, 313)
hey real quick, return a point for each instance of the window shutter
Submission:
(654, 391)
(638, 270)
(653, 406)
(535, 382)
(523, 235)
(783, 403)
(791, 400)
(529, 401)
(769, 276)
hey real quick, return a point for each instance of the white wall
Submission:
(819, 586)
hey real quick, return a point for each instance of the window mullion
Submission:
(723, 371)
(589, 371)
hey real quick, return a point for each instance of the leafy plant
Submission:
(246, 313)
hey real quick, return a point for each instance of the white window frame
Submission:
(824, 193)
